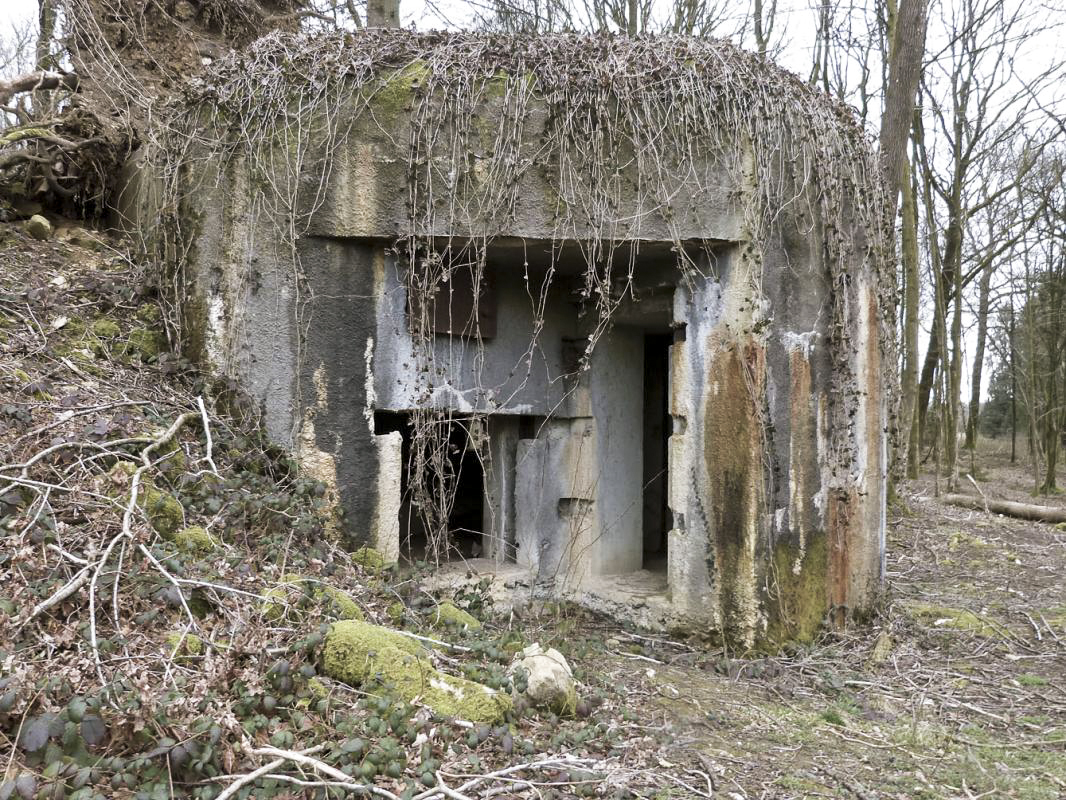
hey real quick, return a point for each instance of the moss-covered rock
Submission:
(39, 228)
(337, 602)
(149, 313)
(378, 659)
(956, 619)
(184, 647)
(163, 510)
(168, 456)
(145, 344)
(342, 605)
(195, 539)
(449, 615)
(396, 612)
(546, 679)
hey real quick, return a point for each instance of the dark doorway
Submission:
(656, 443)
(467, 514)
(464, 477)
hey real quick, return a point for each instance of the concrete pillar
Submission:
(616, 389)
(385, 533)
(500, 474)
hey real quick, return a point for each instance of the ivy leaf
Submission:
(26, 786)
(35, 732)
(93, 730)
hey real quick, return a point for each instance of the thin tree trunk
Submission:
(911, 297)
(1030, 324)
(978, 357)
(1013, 386)
(904, 72)
(951, 426)
(46, 17)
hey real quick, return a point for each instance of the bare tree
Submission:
(976, 102)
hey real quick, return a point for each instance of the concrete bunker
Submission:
(542, 322)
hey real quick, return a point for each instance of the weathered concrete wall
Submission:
(507, 373)
(364, 194)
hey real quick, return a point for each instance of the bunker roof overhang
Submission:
(388, 134)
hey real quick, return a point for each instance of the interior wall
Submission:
(616, 390)
(505, 374)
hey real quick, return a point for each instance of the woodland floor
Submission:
(957, 689)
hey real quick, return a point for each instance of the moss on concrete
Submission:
(734, 476)
(381, 660)
(449, 615)
(393, 98)
(797, 598)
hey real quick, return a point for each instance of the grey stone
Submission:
(549, 680)
(39, 228)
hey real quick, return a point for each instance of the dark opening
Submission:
(466, 520)
(656, 442)
(464, 472)
(529, 426)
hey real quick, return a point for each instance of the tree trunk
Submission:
(46, 18)
(911, 298)
(904, 72)
(951, 430)
(929, 370)
(1013, 385)
(979, 356)
(1020, 510)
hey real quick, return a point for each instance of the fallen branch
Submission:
(1008, 508)
(304, 758)
(65, 591)
(244, 780)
